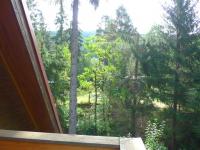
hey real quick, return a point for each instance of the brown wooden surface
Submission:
(24, 69)
(18, 140)
(98, 141)
(13, 145)
(12, 112)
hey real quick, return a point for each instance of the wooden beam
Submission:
(16, 140)
(20, 56)
(13, 145)
(97, 141)
(50, 141)
(131, 144)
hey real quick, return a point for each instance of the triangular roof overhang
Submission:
(22, 64)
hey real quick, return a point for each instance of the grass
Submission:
(159, 104)
(83, 98)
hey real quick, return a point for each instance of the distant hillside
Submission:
(86, 34)
(52, 33)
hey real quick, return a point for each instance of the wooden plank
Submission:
(131, 144)
(50, 141)
(81, 140)
(13, 145)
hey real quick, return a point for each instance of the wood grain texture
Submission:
(38, 140)
(22, 61)
(12, 112)
(98, 141)
(13, 145)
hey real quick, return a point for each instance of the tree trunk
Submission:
(104, 114)
(89, 98)
(174, 124)
(108, 116)
(134, 117)
(62, 20)
(175, 106)
(74, 66)
(176, 90)
(95, 104)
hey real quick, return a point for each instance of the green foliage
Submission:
(122, 73)
(57, 68)
(63, 112)
(154, 132)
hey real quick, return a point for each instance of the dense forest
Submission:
(117, 82)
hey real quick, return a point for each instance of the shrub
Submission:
(153, 134)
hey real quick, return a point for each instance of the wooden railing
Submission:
(21, 140)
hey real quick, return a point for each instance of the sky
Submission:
(144, 13)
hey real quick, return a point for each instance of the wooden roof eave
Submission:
(22, 60)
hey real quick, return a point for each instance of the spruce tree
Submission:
(182, 20)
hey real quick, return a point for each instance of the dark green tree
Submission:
(183, 24)
(165, 63)
(63, 33)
